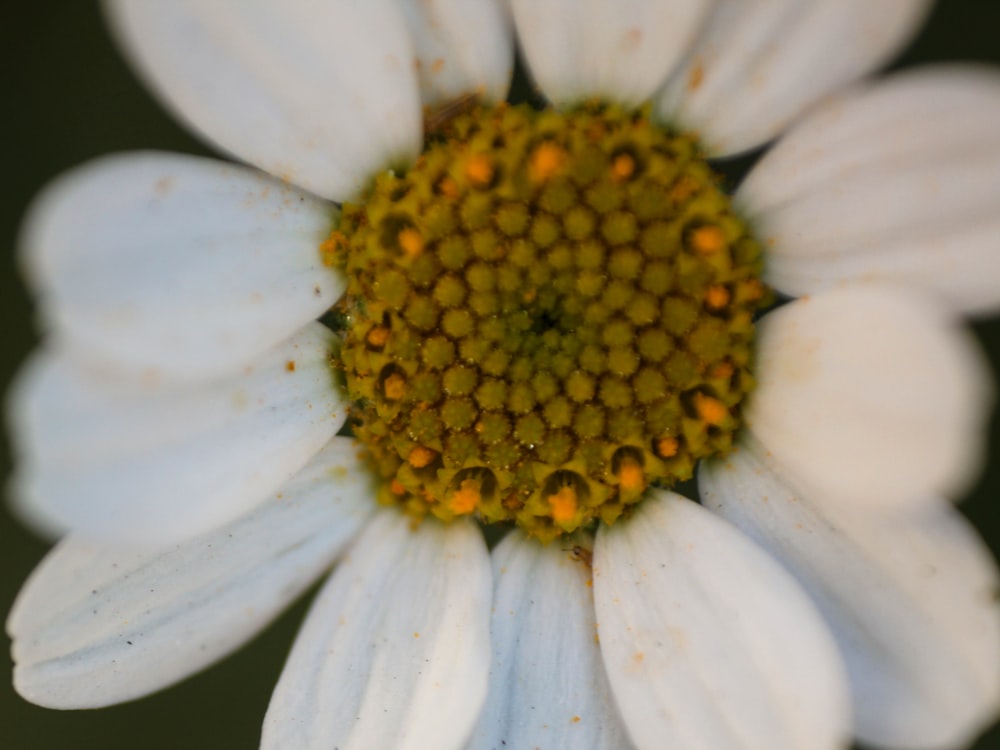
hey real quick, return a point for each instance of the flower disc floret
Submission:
(547, 314)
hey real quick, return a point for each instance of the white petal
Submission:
(870, 393)
(460, 47)
(898, 180)
(911, 599)
(184, 265)
(98, 624)
(395, 651)
(547, 683)
(707, 641)
(322, 94)
(760, 63)
(620, 51)
(154, 463)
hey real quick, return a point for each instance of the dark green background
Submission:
(70, 97)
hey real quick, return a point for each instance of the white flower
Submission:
(180, 422)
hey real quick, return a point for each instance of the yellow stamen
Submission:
(479, 170)
(752, 289)
(545, 161)
(467, 497)
(722, 370)
(631, 476)
(667, 447)
(410, 240)
(420, 457)
(377, 337)
(448, 188)
(683, 189)
(394, 387)
(717, 297)
(710, 410)
(622, 167)
(564, 504)
(708, 239)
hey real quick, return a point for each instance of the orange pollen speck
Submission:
(667, 447)
(696, 77)
(410, 240)
(479, 170)
(396, 488)
(717, 297)
(545, 161)
(448, 188)
(394, 387)
(564, 504)
(683, 189)
(622, 167)
(631, 476)
(420, 457)
(710, 410)
(708, 239)
(752, 289)
(328, 248)
(290, 365)
(722, 370)
(467, 496)
(377, 336)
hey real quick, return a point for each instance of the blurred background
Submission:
(71, 98)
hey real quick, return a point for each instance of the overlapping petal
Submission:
(872, 394)
(395, 651)
(708, 643)
(152, 462)
(761, 63)
(896, 180)
(911, 599)
(176, 265)
(460, 48)
(621, 51)
(98, 624)
(321, 94)
(547, 682)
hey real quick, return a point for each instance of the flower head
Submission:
(537, 320)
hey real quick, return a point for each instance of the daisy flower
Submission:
(536, 322)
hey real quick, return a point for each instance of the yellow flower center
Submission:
(547, 314)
